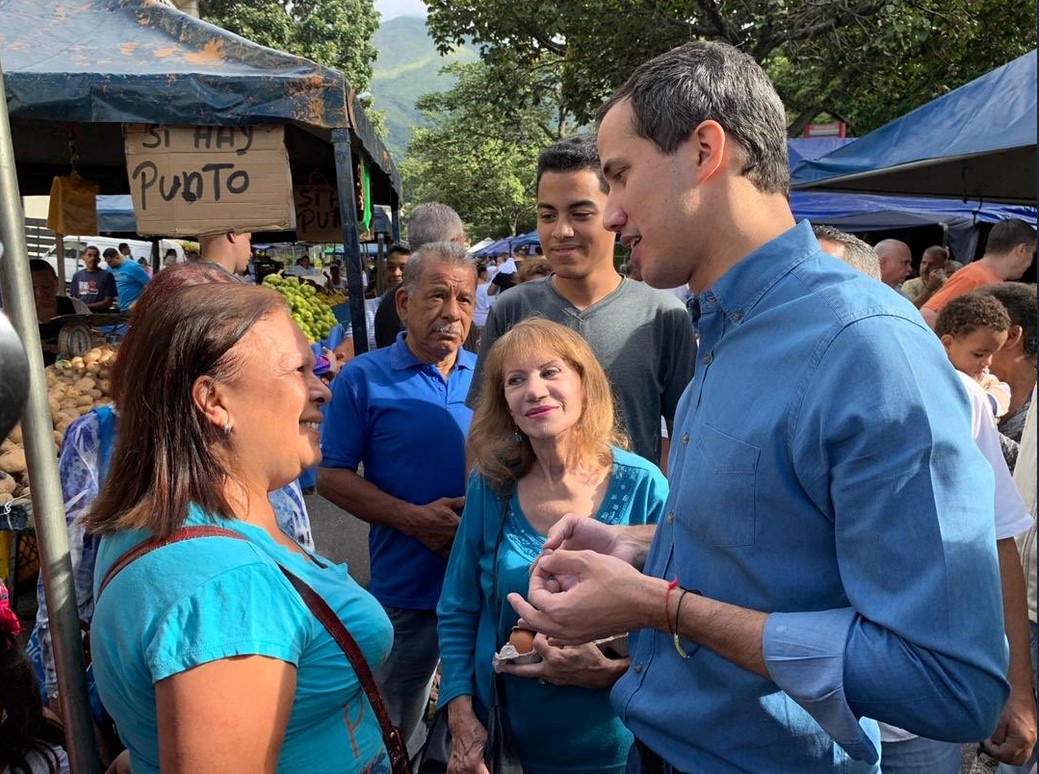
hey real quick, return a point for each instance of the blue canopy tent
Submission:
(69, 94)
(507, 245)
(501, 247)
(798, 148)
(862, 213)
(526, 240)
(976, 142)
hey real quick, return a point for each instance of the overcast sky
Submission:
(393, 8)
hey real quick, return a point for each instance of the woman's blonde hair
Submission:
(493, 449)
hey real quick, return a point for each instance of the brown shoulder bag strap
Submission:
(319, 607)
(184, 533)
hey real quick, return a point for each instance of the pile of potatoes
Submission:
(74, 387)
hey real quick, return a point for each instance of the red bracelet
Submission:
(667, 600)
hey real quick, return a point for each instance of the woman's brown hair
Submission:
(532, 269)
(165, 456)
(492, 448)
(170, 279)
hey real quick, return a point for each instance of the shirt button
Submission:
(670, 517)
(685, 438)
(638, 669)
(706, 359)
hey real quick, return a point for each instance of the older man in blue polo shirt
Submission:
(400, 411)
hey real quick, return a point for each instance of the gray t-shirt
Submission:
(642, 337)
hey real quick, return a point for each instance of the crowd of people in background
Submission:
(796, 482)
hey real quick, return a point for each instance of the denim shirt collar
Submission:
(740, 289)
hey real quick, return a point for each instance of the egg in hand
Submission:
(522, 640)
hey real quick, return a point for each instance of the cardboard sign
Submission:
(73, 205)
(317, 214)
(201, 180)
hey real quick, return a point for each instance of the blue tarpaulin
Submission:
(798, 148)
(976, 142)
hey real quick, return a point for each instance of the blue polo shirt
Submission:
(130, 280)
(407, 424)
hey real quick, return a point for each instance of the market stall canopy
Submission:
(976, 142)
(864, 212)
(507, 245)
(798, 148)
(858, 213)
(88, 67)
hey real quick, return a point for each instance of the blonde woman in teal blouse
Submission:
(543, 442)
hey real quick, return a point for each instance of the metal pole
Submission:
(48, 508)
(395, 223)
(351, 237)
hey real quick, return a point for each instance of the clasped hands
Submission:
(583, 586)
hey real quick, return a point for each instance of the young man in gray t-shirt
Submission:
(642, 337)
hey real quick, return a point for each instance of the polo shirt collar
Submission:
(740, 289)
(402, 358)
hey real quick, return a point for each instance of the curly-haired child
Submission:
(972, 328)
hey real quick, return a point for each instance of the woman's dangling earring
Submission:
(227, 428)
(517, 436)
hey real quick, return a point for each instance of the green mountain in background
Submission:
(407, 67)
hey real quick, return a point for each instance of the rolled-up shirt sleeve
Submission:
(883, 445)
(811, 671)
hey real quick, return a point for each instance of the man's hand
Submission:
(932, 279)
(1014, 737)
(468, 738)
(580, 596)
(435, 524)
(575, 533)
(582, 665)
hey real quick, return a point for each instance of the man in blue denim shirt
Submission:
(827, 553)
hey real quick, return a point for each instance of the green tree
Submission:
(335, 33)
(865, 61)
(478, 158)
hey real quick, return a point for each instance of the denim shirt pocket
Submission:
(730, 491)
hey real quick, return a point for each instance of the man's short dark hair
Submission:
(966, 313)
(398, 249)
(38, 264)
(703, 80)
(1008, 234)
(110, 252)
(1019, 299)
(572, 154)
(124, 244)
